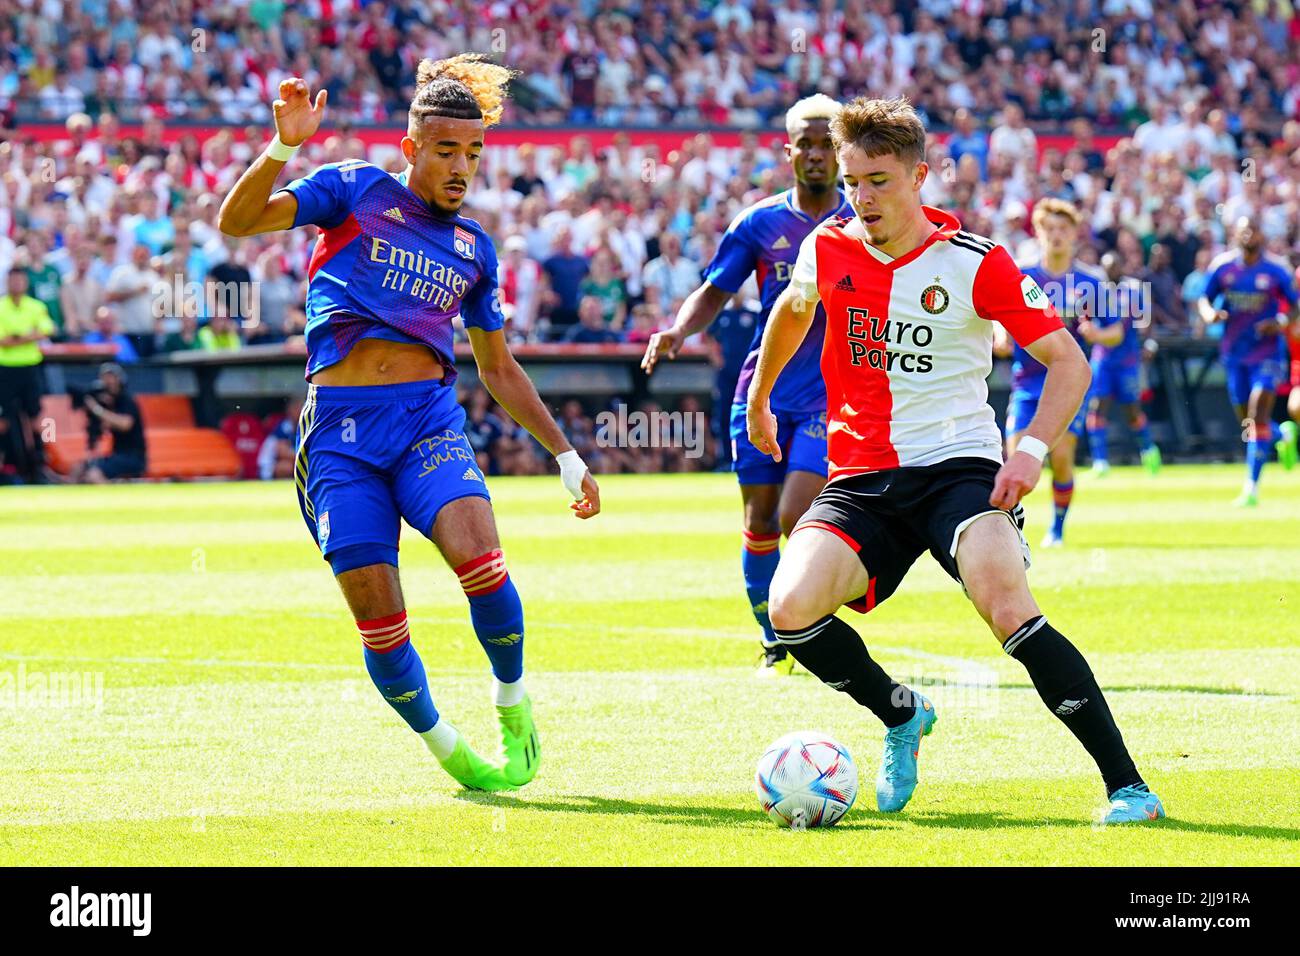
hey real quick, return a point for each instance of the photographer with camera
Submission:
(109, 405)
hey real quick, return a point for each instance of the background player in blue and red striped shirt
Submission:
(381, 436)
(1245, 289)
(764, 241)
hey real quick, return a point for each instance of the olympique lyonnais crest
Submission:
(934, 299)
(463, 240)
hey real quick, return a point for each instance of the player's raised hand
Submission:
(1014, 480)
(761, 424)
(296, 116)
(668, 342)
(588, 506)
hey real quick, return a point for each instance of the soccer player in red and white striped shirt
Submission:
(915, 456)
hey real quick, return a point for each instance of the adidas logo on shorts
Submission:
(470, 475)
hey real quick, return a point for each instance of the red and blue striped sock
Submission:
(397, 670)
(1062, 494)
(758, 561)
(496, 613)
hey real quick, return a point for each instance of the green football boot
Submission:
(520, 748)
(1287, 452)
(472, 771)
(1151, 460)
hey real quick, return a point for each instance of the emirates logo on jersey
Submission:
(934, 299)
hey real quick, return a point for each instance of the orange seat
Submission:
(165, 411)
(63, 429)
(190, 453)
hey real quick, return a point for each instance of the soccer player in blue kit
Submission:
(764, 240)
(381, 436)
(1079, 296)
(1251, 285)
(1116, 374)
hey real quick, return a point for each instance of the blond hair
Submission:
(819, 106)
(880, 128)
(1055, 207)
(466, 86)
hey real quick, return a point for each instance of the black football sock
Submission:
(833, 651)
(1065, 683)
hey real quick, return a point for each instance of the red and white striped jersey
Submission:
(909, 342)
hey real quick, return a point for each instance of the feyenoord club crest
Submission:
(463, 240)
(934, 299)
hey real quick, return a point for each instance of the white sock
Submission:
(507, 695)
(441, 738)
(1251, 487)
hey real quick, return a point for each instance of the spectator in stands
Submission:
(275, 459)
(24, 324)
(1165, 294)
(967, 140)
(180, 333)
(110, 406)
(520, 281)
(590, 328)
(276, 300)
(565, 271)
(44, 282)
(644, 323)
(80, 295)
(483, 429)
(1194, 287)
(221, 334)
(1013, 140)
(154, 228)
(671, 277)
(105, 331)
(605, 285)
(131, 290)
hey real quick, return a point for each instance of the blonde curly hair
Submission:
(466, 86)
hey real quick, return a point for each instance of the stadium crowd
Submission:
(115, 234)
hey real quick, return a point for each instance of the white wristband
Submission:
(1033, 447)
(572, 470)
(280, 152)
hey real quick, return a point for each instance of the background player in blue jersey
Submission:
(1117, 370)
(1078, 293)
(764, 240)
(381, 437)
(1244, 290)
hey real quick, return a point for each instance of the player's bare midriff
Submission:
(380, 362)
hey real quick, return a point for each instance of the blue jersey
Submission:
(765, 239)
(1077, 293)
(387, 266)
(1250, 294)
(1127, 306)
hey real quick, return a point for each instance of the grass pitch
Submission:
(180, 683)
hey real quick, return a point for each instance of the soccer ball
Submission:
(806, 779)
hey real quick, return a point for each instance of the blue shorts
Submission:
(1118, 382)
(1245, 377)
(369, 456)
(803, 447)
(1024, 405)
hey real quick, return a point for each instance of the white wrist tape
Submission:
(1033, 446)
(572, 470)
(280, 152)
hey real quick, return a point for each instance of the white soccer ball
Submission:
(806, 779)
